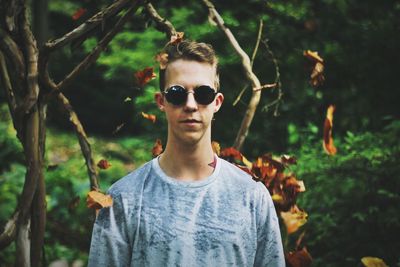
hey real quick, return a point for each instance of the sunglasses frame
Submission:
(167, 95)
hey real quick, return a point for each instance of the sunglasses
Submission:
(177, 95)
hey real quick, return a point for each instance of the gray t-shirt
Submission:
(226, 219)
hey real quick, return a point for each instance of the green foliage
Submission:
(352, 198)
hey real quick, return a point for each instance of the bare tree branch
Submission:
(9, 232)
(83, 141)
(278, 83)
(93, 56)
(253, 56)
(260, 28)
(162, 24)
(256, 95)
(7, 86)
(87, 26)
(15, 57)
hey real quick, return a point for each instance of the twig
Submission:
(83, 140)
(278, 83)
(9, 232)
(255, 83)
(162, 24)
(92, 57)
(253, 56)
(90, 24)
(260, 28)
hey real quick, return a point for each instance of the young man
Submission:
(188, 207)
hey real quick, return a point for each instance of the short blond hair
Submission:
(190, 50)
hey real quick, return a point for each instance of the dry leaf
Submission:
(327, 143)
(216, 147)
(103, 164)
(144, 76)
(157, 148)
(149, 117)
(97, 200)
(294, 219)
(373, 262)
(79, 13)
(177, 38)
(162, 59)
(317, 74)
(300, 258)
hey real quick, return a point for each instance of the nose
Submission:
(191, 104)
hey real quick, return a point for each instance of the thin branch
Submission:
(255, 83)
(9, 232)
(83, 140)
(260, 28)
(278, 83)
(31, 52)
(7, 86)
(93, 56)
(16, 58)
(162, 24)
(253, 56)
(87, 26)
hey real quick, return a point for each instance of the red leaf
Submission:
(157, 148)
(79, 13)
(144, 76)
(103, 164)
(300, 258)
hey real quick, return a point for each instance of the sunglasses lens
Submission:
(204, 95)
(176, 95)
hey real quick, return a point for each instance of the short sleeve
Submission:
(269, 241)
(110, 245)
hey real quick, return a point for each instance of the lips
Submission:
(190, 121)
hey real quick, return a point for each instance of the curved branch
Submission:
(162, 24)
(256, 95)
(83, 140)
(93, 56)
(15, 57)
(9, 232)
(87, 26)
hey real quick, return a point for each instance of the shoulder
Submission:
(233, 174)
(131, 182)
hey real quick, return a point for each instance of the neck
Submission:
(188, 162)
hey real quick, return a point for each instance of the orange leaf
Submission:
(144, 76)
(177, 38)
(150, 117)
(294, 219)
(157, 148)
(300, 258)
(317, 74)
(373, 262)
(313, 56)
(216, 147)
(162, 59)
(103, 164)
(97, 200)
(328, 145)
(79, 13)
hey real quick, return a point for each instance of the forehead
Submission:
(189, 73)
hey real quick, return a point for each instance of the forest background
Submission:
(351, 197)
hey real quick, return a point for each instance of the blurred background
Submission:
(352, 198)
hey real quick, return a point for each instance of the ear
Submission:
(159, 98)
(218, 102)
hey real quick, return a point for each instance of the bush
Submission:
(352, 198)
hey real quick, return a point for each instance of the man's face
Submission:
(189, 123)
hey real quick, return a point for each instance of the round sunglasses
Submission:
(177, 94)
